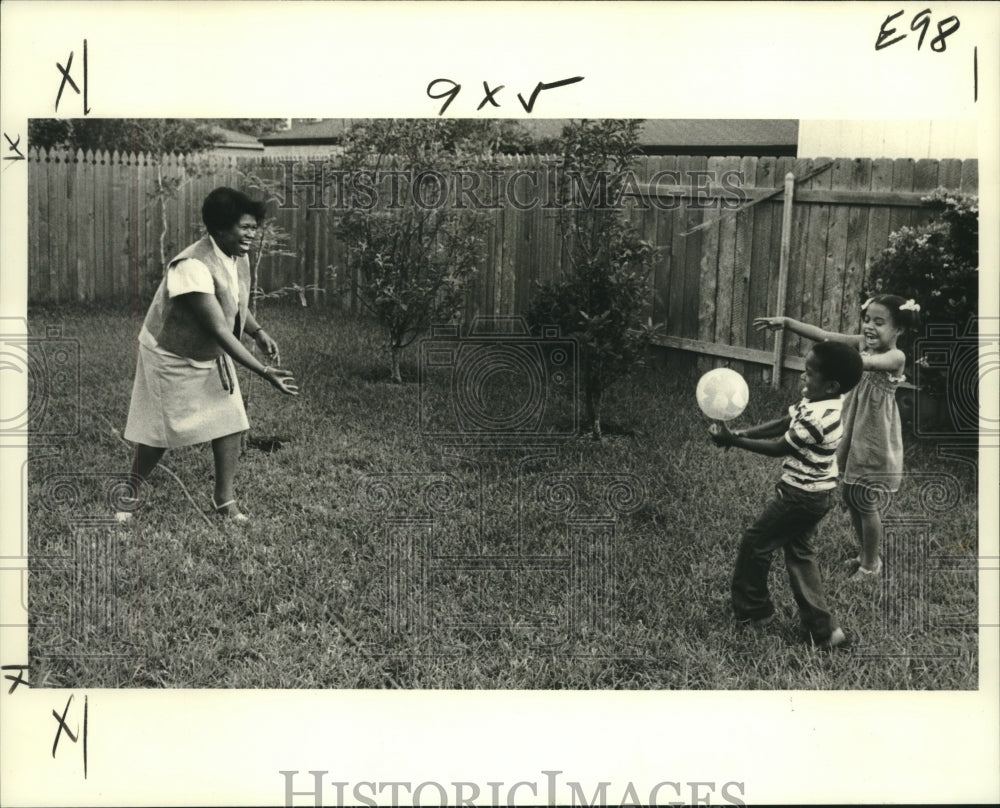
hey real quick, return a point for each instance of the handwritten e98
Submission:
(921, 22)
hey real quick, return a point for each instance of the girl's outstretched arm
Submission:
(805, 330)
(891, 361)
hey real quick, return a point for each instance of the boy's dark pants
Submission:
(788, 522)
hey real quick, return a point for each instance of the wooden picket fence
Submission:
(95, 227)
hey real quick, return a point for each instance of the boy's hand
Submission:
(720, 434)
(769, 323)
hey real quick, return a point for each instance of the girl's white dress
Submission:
(872, 448)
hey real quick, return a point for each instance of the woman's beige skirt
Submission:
(179, 402)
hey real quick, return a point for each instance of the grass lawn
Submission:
(377, 557)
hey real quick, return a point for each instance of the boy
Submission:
(807, 438)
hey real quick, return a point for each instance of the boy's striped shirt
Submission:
(814, 433)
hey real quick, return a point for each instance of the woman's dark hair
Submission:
(223, 208)
(901, 317)
(838, 362)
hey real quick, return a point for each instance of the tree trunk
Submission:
(593, 400)
(163, 215)
(395, 351)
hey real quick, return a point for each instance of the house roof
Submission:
(320, 132)
(696, 131)
(674, 134)
(236, 140)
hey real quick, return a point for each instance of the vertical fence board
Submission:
(508, 260)
(950, 173)
(815, 254)
(692, 258)
(795, 295)
(726, 284)
(57, 224)
(495, 273)
(925, 180)
(834, 266)
(74, 191)
(548, 236)
(708, 269)
(857, 248)
(902, 180)
(970, 176)
(742, 265)
(119, 227)
(136, 230)
(85, 263)
(878, 215)
(148, 215)
(525, 260)
(761, 255)
(678, 256)
(38, 229)
(101, 285)
(645, 218)
(664, 224)
(783, 166)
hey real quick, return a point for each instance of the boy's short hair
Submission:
(224, 207)
(838, 362)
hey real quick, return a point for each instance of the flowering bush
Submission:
(936, 264)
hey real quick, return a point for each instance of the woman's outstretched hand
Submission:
(267, 345)
(769, 323)
(282, 380)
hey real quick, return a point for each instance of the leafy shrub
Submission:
(413, 260)
(603, 299)
(936, 264)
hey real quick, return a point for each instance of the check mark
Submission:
(529, 105)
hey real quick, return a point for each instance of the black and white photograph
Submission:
(527, 407)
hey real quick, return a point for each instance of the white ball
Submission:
(722, 394)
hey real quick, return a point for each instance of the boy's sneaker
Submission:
(838, 639)
(759, 623)
(862, 573)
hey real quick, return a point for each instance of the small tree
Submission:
(412, 248)
(603, 299)
(272, 242)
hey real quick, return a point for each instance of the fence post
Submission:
(786, 240)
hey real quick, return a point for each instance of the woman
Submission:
(185, 389)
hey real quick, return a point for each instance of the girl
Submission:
(870, 455)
